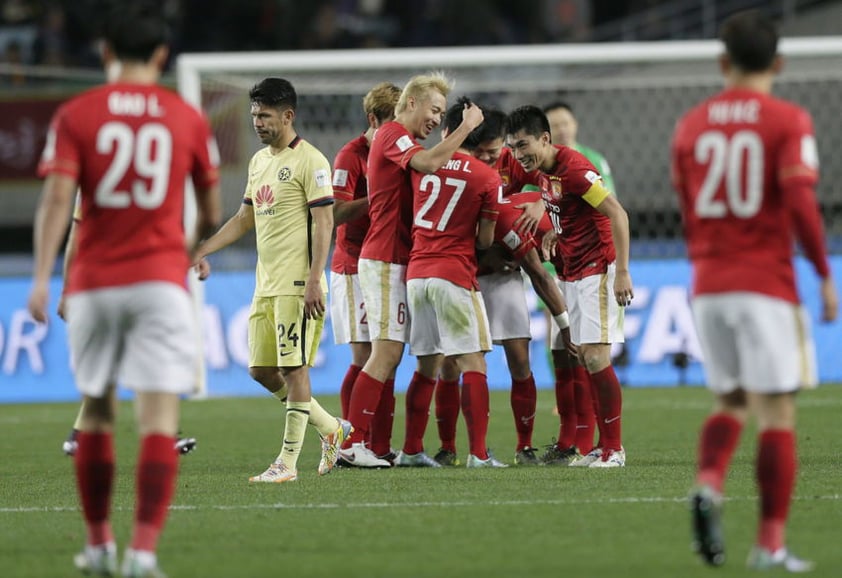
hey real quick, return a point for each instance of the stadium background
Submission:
(625, 110)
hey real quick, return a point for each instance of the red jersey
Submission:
(130, 147)
(349, 184)
(586, 246)
(448, 205)
(506, 234)
(745, 165)
(390, 195)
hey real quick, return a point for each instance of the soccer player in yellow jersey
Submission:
(288, 201)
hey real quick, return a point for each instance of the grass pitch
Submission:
(450, 522)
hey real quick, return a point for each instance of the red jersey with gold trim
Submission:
(745, 166)
(390, 195)
(131, 148)
(350, 184)
(448, 205)
(571, 193)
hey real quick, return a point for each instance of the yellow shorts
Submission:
(279, 334)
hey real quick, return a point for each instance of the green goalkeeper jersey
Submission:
(602, 167)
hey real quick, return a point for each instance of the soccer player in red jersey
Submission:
(504, 294)
(591, 234)
(745, 166)
(455, 212)
(385, 254)
(128, 146)
(350, 214)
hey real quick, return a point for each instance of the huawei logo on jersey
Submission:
(263, 200)
(264, 196)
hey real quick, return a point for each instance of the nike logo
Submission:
(282, 354)
(527, 419)
(366, 412)
(613, 419)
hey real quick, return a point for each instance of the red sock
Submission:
(95, 480)
(447, 412)
(475, 408)
(524, 398)
(776, 465)
(565, 400)
(347, 388)
(365, 397)
(610, 407)
(384, 418)
(157, 468)
(717, 442)
(585, 416)
(599, 425)
(419, 394)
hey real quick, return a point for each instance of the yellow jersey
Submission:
(281, 188)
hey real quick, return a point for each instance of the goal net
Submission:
(626, 97)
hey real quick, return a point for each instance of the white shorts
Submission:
(347, 309)
(141, 336)
(384, 294)
(754, 342)
(505, 301)
(446, 318)
(595, 316)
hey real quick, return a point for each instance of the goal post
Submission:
(626, 97)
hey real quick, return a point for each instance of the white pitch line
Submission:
(378, 505)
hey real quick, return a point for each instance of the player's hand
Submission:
(37, 305)
(472, 115)
(571, 348)
(314, 301)
(62, 307)
(528, 220)
(202, 268)
(830, 300)
(623, 291)
(549, 245)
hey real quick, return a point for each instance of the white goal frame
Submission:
(191, 66)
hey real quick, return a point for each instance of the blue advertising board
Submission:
(34, 363)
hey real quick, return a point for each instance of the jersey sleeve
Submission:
(318, 187)
(61, 152)
(592, 187)
(398, 145)
(798, 157)
(248, 194)
(489, 209)
(348, 169)
(205, 171)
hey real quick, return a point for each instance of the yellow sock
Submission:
(298, 413)
(77, 425)
(325, 423)
(282, 393)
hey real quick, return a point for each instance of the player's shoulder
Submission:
(573, 160)
(307, 150)
(354, 148)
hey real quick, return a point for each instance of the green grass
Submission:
(454, 522)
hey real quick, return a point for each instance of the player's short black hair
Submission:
(274, 92)
(134, 30)
(751, 40)
(528, 118)
(493, 127)
(490, 128)
(556, 104)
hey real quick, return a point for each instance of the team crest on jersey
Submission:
(555, 186)
(263, 200)
(285, 174)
